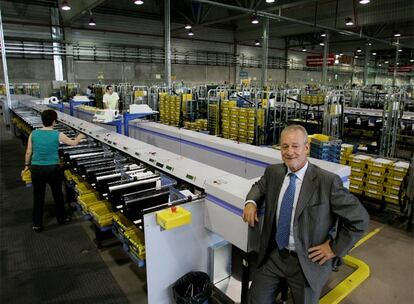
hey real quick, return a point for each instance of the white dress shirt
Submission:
(300, 174)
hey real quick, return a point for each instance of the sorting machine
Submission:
(134, 176)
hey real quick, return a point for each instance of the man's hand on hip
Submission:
(321, 253)
(250, 214)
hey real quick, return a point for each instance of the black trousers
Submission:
(42, 175)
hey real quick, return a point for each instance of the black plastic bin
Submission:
(192, 288)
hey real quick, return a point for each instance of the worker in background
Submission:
(298, 242)
(43, 160)
(110, 99)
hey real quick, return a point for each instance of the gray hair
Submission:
(293, 128)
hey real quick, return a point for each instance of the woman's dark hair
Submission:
(48, 117)
(108, 86)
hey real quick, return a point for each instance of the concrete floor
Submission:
(390, 255)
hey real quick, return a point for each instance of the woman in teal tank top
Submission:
(42, 157)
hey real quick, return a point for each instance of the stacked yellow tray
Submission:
(136, 242)
(346, 151)
(395, 176)
(213, 119)
(201, 124)
(122, 223)
(357, 179)
(376, 170)
(102, 214)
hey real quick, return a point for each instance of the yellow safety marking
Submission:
(355, 279)
(367, 237)
(350, 283)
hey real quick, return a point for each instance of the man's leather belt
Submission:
(286, 252)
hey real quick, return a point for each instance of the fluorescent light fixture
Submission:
(65, 6)
(356, 56)
(379, 64)
(323, 35)
(188, 26)
(270, 1)
(254, 19)
(411, 60)
(369, 43)
(139, 2)
(359, 50)
(364, 1)
(92, 22)
(341, 54)
(396, 34)
(303, 49)
(349, 22)
(386, 61)
(321, 44)
(400, 50)
(257, 42)
(374, 54)
(190, 33)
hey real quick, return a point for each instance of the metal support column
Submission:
(265, 52)
(325, 60)
(366, 64)
(236, 65)
(167, 43)
(56, 33)
(6, 116)
(285, 78)
(70, 69)
(394, 78)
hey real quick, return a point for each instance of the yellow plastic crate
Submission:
(103, 215)
(392, 190)
(83, 188)
(320, 137)
(394, 180)
(121, 222)
(355, 190)
(393, 199)
(354, 164)
(400, 166)
(357, 174)
(356, 180)
(378, 179)
(377, 187)
(376, 174)
(373, 194)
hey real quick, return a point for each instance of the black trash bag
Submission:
(192, 288)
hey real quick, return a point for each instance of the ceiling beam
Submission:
(297, 21)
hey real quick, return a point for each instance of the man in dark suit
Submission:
(303, 204)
